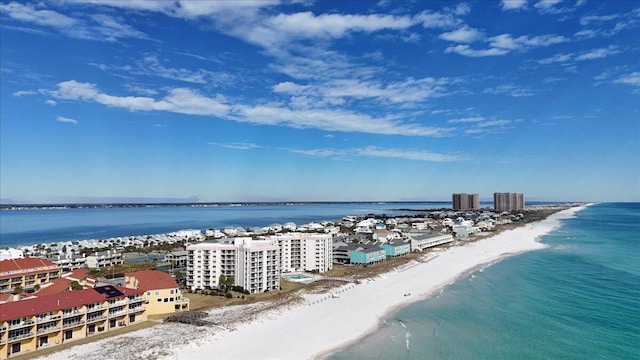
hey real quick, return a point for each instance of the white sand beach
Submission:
(324, 323)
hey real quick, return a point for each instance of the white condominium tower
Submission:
(304, 251)
(254, 264)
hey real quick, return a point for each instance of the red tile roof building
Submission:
(26, 273)
(162, 292)
(31, 324)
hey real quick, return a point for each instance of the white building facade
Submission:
(304, 252)
(254, 264)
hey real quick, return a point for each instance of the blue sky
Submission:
(313, 101)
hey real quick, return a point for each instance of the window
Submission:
(157, 293)
(148, 293)
(166, 300)
(171, 292)
(159, 300)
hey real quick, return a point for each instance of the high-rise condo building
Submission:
(508, 201)
(254, 264)
(304, 252)
(463, 201)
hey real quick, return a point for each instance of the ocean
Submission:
(33, 226)
(577, 299)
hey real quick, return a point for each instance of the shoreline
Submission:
(318, 322)
(320, 328)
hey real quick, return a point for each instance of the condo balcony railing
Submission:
(46, 319)
(71, 313)
(136, 309)
(96, 308)
(21, 325)
(96, 318)
(117, 313)
(72, 324)
(48, 329)
(118, 303)
(20, 336)
(3, 328)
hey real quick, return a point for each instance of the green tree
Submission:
(18, 289)
(75, 286)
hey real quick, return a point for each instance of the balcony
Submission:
(73, 324)
(136, 300)
(20, 337)
(96, 319)
(136, 309)
(96, 308)
(48, 319)
(48, 329)
(117, 303)
(21, 325)
(3, 328)
(71, 313)
(117, 313)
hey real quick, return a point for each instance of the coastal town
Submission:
(52, 295)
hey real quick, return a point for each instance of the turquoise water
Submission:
(577, 299)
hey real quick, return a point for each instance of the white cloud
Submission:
(546, 4)
(28, 13)
(190, 102)
(236, 146)
(466, 120)
(629, 79)
(556, 58)
(463, 35)
(67, 120)
(431, 20)
(467, 51)
(289, 87)
(586, 20)
(98, 27)
(506, 41)
(316, 152)
(514, 4)
(331, 120)
(51, 102)
(284, 28)
(418, 155)
(597, 53)
(24, 93)
(509, 90)
(178, 100)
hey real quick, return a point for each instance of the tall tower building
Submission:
(508, 201)
(463, 201)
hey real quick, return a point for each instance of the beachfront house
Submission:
(367, 254)
(177, 259)
(162, 292)
(423, 240)
(396, 247)
(11, 253)
(33, 324)
(104, 259)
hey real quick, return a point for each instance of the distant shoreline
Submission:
(199, 204)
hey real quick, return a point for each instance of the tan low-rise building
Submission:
(26, 273)
(32, 324)
(162, 292)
